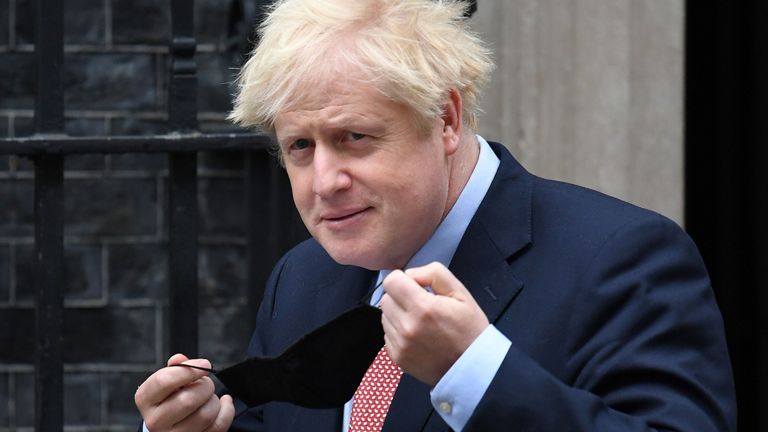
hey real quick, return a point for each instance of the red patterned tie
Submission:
(374, 395)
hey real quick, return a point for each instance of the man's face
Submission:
(369, 186)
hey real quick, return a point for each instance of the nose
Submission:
(330, 171)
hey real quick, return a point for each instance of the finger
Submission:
(176, 359)
(389, 306)
(392, 315)
(393, 350)
(163, 383)
(201, 419)
(215, 416)
(391, 338)
(439, 278)
(403, 290)
(184, 403)
(389, 326)
(226, 415)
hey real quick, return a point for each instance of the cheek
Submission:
(418, 180)
(301, 190)
(418, 195)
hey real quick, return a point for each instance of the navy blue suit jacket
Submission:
(608, 306)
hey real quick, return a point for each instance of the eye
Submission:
(354, 136)
(301, 144)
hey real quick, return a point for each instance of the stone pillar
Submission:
(591, 92)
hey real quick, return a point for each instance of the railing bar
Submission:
(49, 100)
(49, 219)
(183, 247)
(49, 252)
(196, 137)
(182, 254)
(263, 221)
(36, 145)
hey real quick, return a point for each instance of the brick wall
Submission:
(116, 76)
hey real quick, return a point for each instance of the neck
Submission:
(461, 166)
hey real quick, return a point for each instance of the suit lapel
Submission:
(500, 230)
(340, 293)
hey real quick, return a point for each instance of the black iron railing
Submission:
(49, 147)
(266, 207)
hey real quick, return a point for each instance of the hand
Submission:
(183, 399)
(425, 333)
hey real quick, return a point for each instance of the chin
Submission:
(347, 259)
(348, 256)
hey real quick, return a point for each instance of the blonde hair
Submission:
(412, 51)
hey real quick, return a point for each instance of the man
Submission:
(509, 302)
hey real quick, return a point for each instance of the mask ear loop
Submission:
(366, 300)
(213, 371)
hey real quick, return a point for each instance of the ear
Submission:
(452, 122)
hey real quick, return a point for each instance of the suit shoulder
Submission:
(583, 205)
(577, 215)
(558, 206)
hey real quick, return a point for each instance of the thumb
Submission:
(436, 276)
(181, 358)
(176, 359)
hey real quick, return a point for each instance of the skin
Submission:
(183, 399)
(357, 192)
(371, 187)
(425, 333)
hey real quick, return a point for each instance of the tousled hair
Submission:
(413, 52)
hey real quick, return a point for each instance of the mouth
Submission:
(340, 217)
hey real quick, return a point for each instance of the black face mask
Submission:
(321, 370)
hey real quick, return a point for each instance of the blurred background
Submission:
(663, 103)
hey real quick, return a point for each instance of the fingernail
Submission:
(205, 363)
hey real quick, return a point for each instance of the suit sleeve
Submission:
(645, 348)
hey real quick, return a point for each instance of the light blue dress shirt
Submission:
(457, 394)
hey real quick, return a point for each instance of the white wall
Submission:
(591, 92)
